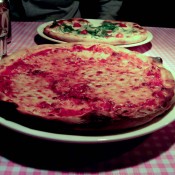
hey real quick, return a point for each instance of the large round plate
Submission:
(41, 27)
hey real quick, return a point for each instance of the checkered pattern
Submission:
(153, 154)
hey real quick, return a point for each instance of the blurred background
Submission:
(145, 12)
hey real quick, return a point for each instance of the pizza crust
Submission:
(97, 102)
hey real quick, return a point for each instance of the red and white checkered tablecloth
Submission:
(153, 154)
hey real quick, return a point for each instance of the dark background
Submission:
(146, 13)
(149, 13)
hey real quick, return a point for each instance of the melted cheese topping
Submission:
(64, 82)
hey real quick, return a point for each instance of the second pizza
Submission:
(102, 31)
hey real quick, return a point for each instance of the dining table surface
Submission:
(149, 154)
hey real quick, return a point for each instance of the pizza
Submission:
(105, 31)
(89, 86)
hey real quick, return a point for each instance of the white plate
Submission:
(153, 126)
(41, 27)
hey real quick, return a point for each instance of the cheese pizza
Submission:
(87, 85)
(107, 31)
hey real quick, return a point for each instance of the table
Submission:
(153, 154)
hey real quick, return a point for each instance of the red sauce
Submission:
(61, 21)
(93, 48)
(76, 24)
(69, 112)
(16, 67)
(82, 20)
(84, 32)
(106, 105)
(156, 78)
(156, 73)
(155, 82)
(78, 48)
(5, 85)
(119, 35)
(99, 73)
(158, 94)
(41, 53)
(149, 102)
(44, 105)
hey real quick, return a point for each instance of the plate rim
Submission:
(134, 133)
(41, 27)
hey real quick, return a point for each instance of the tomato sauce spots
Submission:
(106, 105)
(79, 91)
(44, 105)
(119, 35)
(61, 21)
(122, 25)
(84, 32)
(158, 94)
(76, 24)
(41, 53)
(5, 85)
(156, 74)
(150, 102)
(18, 66)
(69, 112)
(99, 73)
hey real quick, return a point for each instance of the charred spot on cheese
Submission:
(158, 59)
(54, 24)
